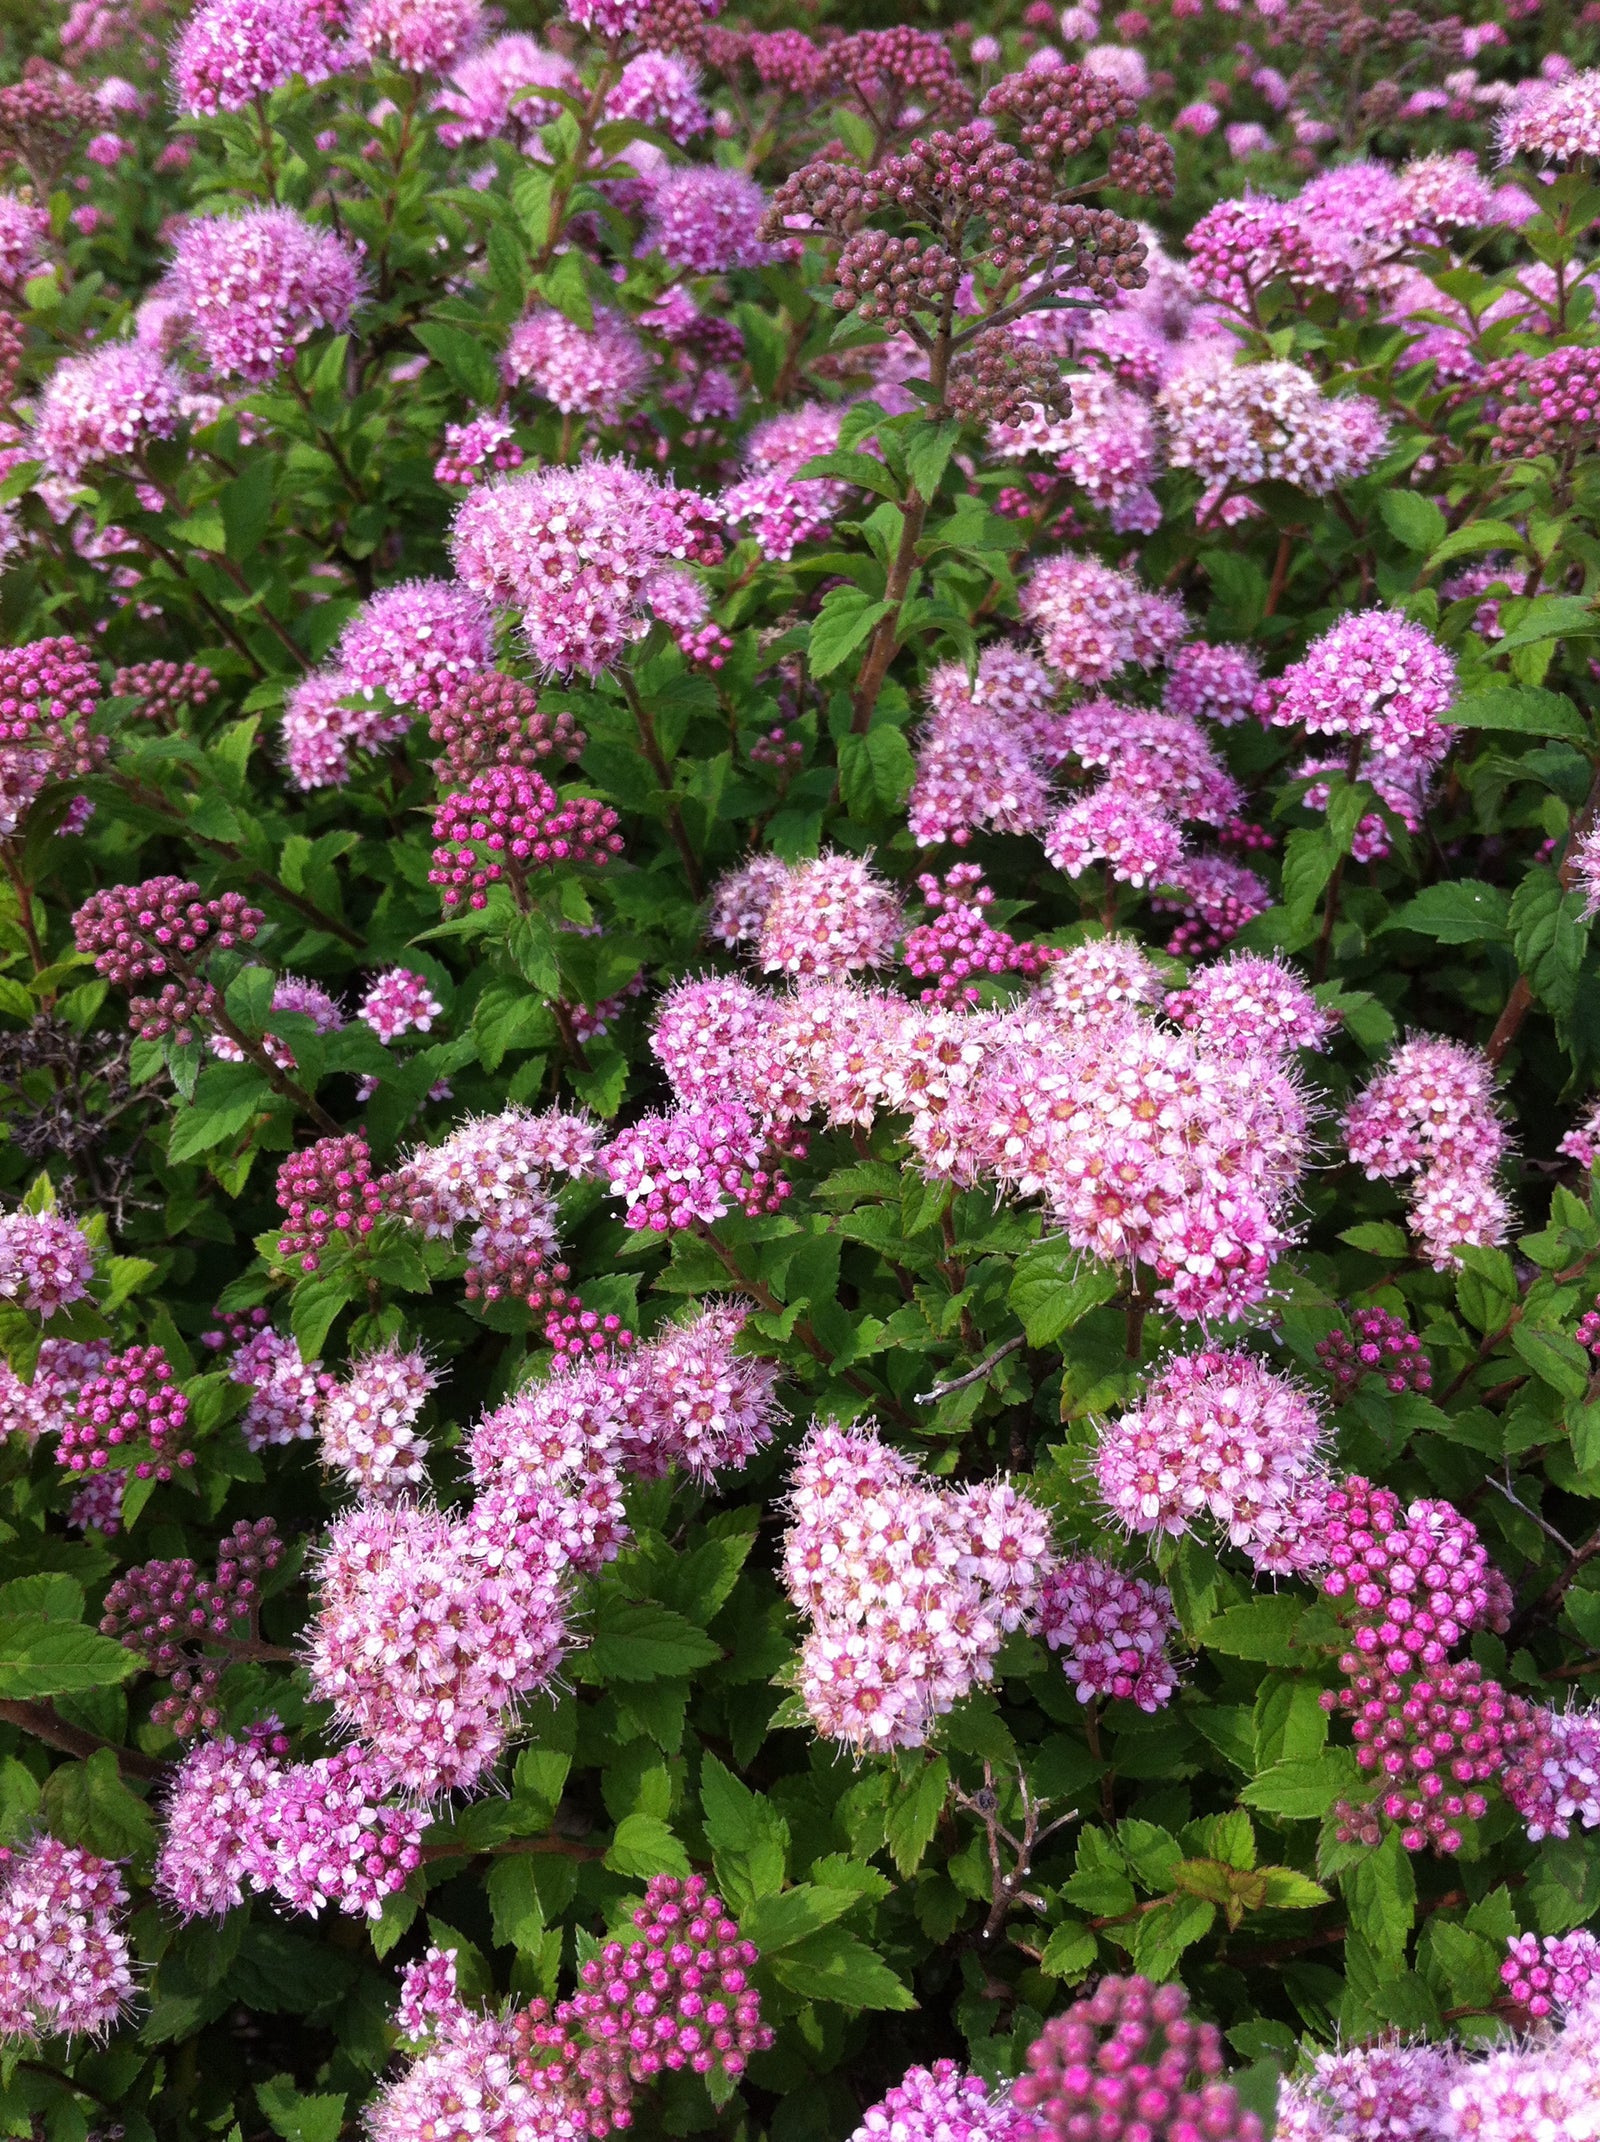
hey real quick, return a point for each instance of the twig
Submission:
(959, 1383)
(45, 1723)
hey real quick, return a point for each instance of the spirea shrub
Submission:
(799, 1072)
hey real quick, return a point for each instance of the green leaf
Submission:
(1554, 1358)
(928, 450)
(246, 506)
(875, 771)
(791, 1918)
(1416, 521)
(1070, 1952)
(844, 621)
(40, 1657)
(633, 1640)
(914, 1813)
(834, 1966)
(297, 2118)
(1379, 1238)
(1464, 911)
(1054, 1285)
(749, 1839)
(1304, 1787)
(564, 287)
(514, 1907)
(1288, 1890)
(467, 360)
(1158, 1938)
(1549, 935)
(88, 1803)
(1380, 1893)
(1551, 617)
(51, 1594)
(866, 471)
(645, 1845)
(1262, 1629)
(1476, 536)
(1521, 708)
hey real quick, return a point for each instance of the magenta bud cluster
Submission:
(328, 1192)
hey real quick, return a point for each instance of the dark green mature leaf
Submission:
(466, 359)
(1264, 1629)
(41, 1657)
(914, 1812)
(1522, 708)
(1415, 520)
(1462, 912)
(635, 1640)
(1053, 1285)
(844, 621)
(1549, 936)
(834, 1966)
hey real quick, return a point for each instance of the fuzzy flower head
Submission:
(231, 53)
(1097, 981)
(681, 1996)
(1092, 620)
(1255, 1000)
(576, 550)
(65, 1969)
(212, 1807)
(399, 1002)
(943, 2104)
(585, 371)
(417, 36)
(1554, 122)
(1114, 1631)
(1241, 424)
(1218, 1437)
(829, 919)
(368, 1424)
(486, 92)
(1370, 2093)
(693, 1164)
(1373, 676)
(45, 1262)
(707, 220)
(413, 642)
(660, 90)
(255, 286)
(24, 240)
(106, 406)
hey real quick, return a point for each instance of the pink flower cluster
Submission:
(285, 1390)
(1128, 2063)
(62, 1368)
(1114, 1630)
(1432, 1740)
(254, 287)
(1238, 424)
(232, 52)
(1254, 1001)
(163, 931)
(49, 690)
(399, 1002)
(585, 553)
(781, 508)
(1370, 2093)
(485, 446)
(827, 919)
(585, 371)
(129, 1414)
(1374, 678)
(239, 1816)
(690, 1166)
(679, 1996)
(1379, 1343)
(1218, 1437)
(958, 944)
(161, 1609)
(107, 406)
(945, 2104)
(492, 1175)
(422, 1646)
(1092, 620)
(368, 1426)
(1431, 1112)
(64, 1963)
(909, 1588)
(1542, 1976)
(327, 1193)
(508, 822)
(984, 755)
(1556, 1782)
(1413, 1582)
(45, 1262)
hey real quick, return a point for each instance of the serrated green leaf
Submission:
(1053, 1285)
(1463, 911)
(834, 1966)
(41, 1657)
(1304, 1787)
